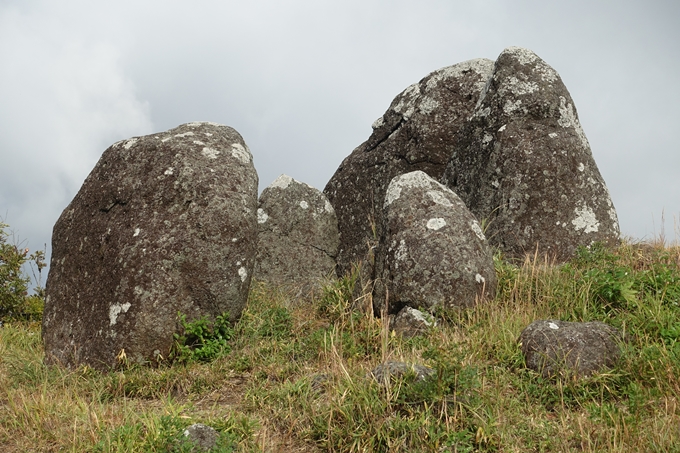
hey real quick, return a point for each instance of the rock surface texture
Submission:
(201, 437)
(164, 223)
(569, 348)
(433, 251)
(523, 162)
(297, 234)
(417, 132)
(388, 371)
(410, 322)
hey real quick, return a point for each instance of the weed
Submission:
(294, 374)
(15, 303)
(202, 340)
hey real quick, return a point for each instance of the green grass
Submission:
(292, 374)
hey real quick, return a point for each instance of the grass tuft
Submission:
(294, 374)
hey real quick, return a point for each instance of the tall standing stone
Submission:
(297, 235)
(417, 132)
(523, 163)
(164, 224)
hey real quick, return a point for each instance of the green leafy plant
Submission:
(15, 303)
(202, 340)
(166, 435)
(277, 324)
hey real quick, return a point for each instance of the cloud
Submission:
(65, 98)
(303, 80)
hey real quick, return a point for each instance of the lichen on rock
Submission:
(164, 223)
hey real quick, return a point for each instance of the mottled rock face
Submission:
(410, 322)
(569, 348)
(523, 162)
(201, 437)
(387, 372)
(163, 224)
(297, 234)
(417, 132)
(433, 251)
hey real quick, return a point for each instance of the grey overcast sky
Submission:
(302, 81)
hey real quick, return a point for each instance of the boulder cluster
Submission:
(476, 157)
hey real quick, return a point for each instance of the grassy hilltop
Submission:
(291, 375)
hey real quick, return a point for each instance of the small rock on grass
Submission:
(410, 322)
(202, 436)
(573, 348)
(394, 370)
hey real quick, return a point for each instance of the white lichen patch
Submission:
(581, 167)
(210, 153)
(439, 198)
(408, 181)
(615, 219)
(406, 105)
(481, 66)
(207, 134)
(136, 233)
(612, 211)
(282, 182)
(200, 123)
(419, 316)
(241, 153)
(524, 56)
(487, 138)
(502, 128)
(262, 216)
(378, 123)
(480, 279)
(169, 171)
(552, 135)
(510, 106)
(428, 104)
(115, 310)
(477, 230)
(129, 143)
(495, 183)
(402, 251)
(166, 139)
(436, 224)
(198, 142)
(585, 220)
(519, 87)
(304, 205)
(553, 326)
(547, 73)
(568, 119)
(328, 207)
(186, 134)
(243, 273)
(483, 112)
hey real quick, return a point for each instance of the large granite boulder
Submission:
(417, 132)
(164, 224)
(580, 349)
(433, 251)
(297, 235)
(522, 163)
